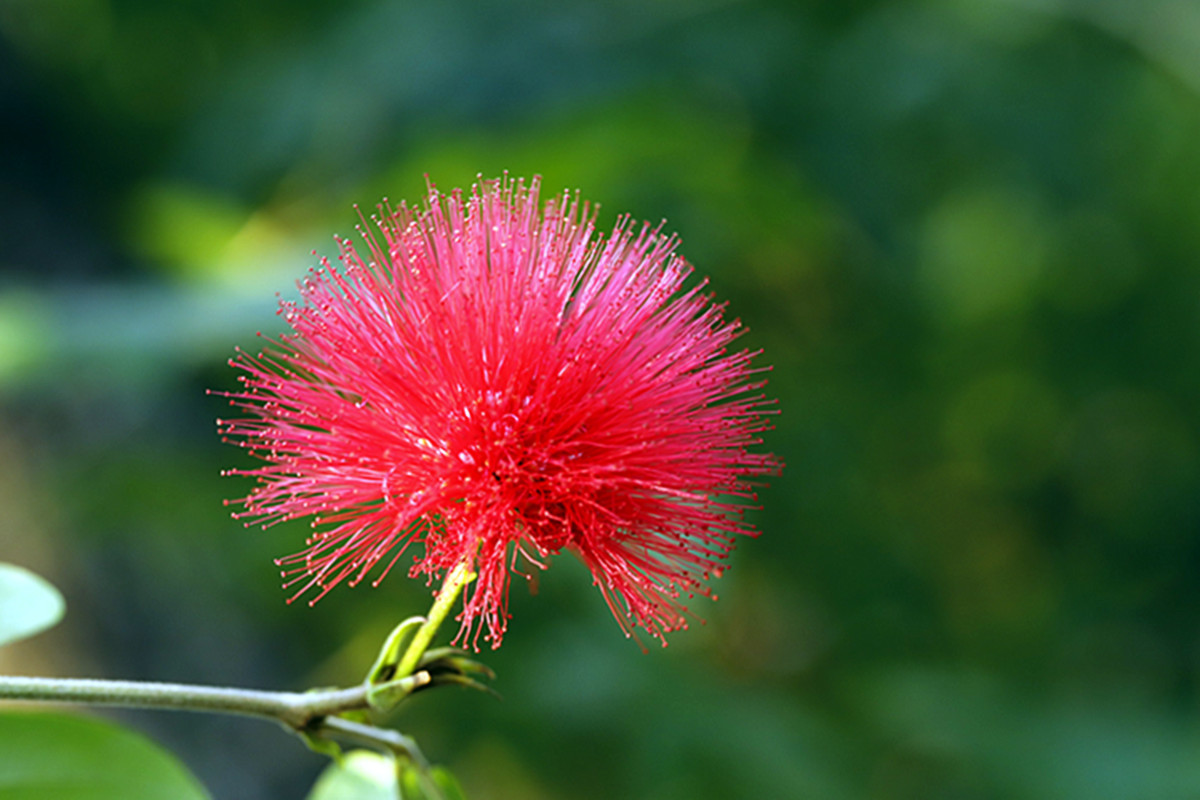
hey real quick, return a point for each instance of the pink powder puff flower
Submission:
(500, 383)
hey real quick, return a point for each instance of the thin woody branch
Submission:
(311, 713)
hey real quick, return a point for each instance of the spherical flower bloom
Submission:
(497, 383)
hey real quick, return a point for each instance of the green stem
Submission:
(384, 739)
(310, 713)
(458, 577)
(295, 709)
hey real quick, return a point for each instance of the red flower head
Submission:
(499, 383)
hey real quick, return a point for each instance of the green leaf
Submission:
(71, 757)
(361, 775)
(449, 785)
(412, 787)
(326, 747)
(436, 784)
(28, 604)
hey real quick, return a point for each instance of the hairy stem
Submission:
(295, 709)
(310, 713)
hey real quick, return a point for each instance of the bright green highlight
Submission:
(28, 604)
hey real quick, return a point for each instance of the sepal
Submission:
(384, 668)
(450, 665)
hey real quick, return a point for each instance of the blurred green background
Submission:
(965, 234)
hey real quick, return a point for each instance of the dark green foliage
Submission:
(964, 234)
